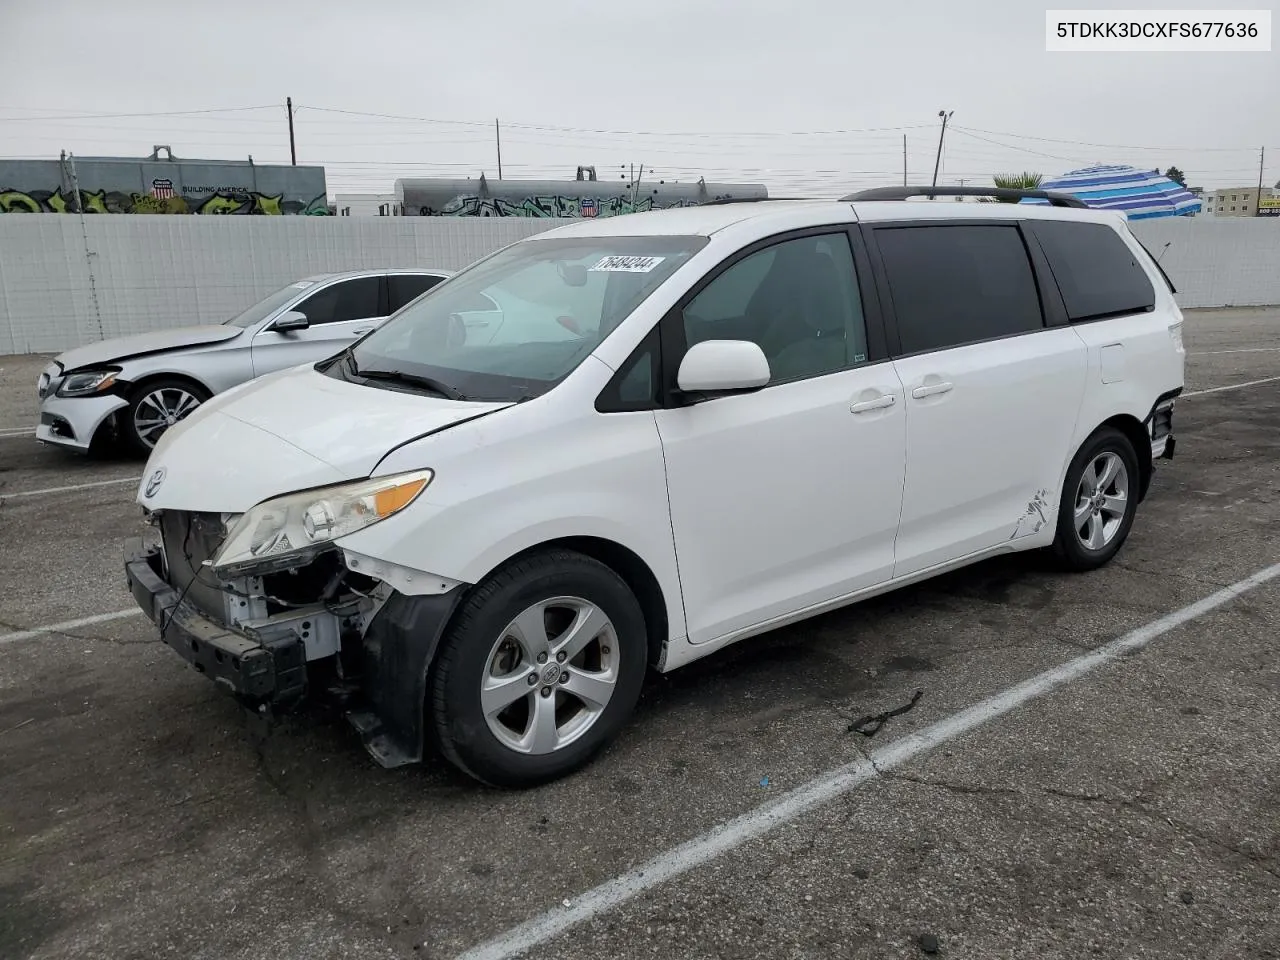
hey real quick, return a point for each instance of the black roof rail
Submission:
(1055, 198)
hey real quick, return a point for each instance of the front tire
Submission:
(1099, 501)
(153, 408)
(539, 671)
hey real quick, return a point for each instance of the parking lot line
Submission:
(67, 625)
(1233, 386)
(758, 822)
(17, 432)
(1216, 353)
(67, 489)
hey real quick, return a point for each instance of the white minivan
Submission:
(693, 426)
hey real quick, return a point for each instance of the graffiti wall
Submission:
(161, 186)
(570, 199)
(550, 206)
(115, 201)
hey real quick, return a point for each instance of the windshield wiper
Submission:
(412, 379)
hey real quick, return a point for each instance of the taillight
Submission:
(1175, 334)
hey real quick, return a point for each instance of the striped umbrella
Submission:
(1139, 194)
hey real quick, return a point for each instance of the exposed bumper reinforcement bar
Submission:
(256, 672)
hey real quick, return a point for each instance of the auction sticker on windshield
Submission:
(627, 264)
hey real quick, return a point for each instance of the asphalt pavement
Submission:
(1131, 810)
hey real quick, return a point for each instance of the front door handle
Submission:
(931, 389)
(362, 331)
(879, 403)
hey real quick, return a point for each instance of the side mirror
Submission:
(723, 366)
(293, 320)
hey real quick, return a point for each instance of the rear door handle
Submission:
(928, 391)
(362, 331)
(879, 403)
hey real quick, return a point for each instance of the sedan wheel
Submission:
(157, 406)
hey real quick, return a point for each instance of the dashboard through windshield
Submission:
(514, 324)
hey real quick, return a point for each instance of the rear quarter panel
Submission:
(1133, 360)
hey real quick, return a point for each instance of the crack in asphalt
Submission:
(1133, 805)
(1165, 574)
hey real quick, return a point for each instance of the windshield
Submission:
(264, 308)
(515, 324)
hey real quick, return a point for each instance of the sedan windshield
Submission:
(515, 324)
(267, 306)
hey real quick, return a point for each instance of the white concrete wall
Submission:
(1217, 261)
(66, 281)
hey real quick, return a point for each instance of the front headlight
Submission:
(89, 382)
(289, 530)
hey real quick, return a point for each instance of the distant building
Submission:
(1236, 201)
(366, 204)
(160, 184)
(584, 196)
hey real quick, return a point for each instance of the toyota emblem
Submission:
(153, 482)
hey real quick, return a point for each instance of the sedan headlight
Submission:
(289, 530)
(87, 383)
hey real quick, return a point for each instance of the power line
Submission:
(630, 133)
(1110, 146)
(156, 113)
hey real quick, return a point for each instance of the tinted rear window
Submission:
(958, 284)
(404, 287)
(1097, 272)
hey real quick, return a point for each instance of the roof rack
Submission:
(1055, 198)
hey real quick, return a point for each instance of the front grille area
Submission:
(190, 539)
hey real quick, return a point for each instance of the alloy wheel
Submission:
(549, 675)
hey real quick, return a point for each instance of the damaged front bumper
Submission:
(370, 651)
(259, 671)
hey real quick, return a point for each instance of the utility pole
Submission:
(293, 150)
(945, 115)
(1257, 207)
(904, 159)
(497, 136)
(75, 185)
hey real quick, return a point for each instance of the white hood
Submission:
(157, 341)
(288, 431)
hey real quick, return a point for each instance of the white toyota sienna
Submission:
(630, 442)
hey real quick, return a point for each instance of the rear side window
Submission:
(1097, 272)
(403, 287)
(343, 301)
(953, 285)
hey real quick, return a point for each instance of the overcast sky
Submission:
(806, 96)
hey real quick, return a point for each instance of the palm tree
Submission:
(1017, 181)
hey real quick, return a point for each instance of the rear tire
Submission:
(154, 406)
(1099, 501)
(539, 671)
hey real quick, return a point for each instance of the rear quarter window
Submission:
(1098, 274)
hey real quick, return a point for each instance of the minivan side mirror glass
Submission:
(723, 366)
(291, 320)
